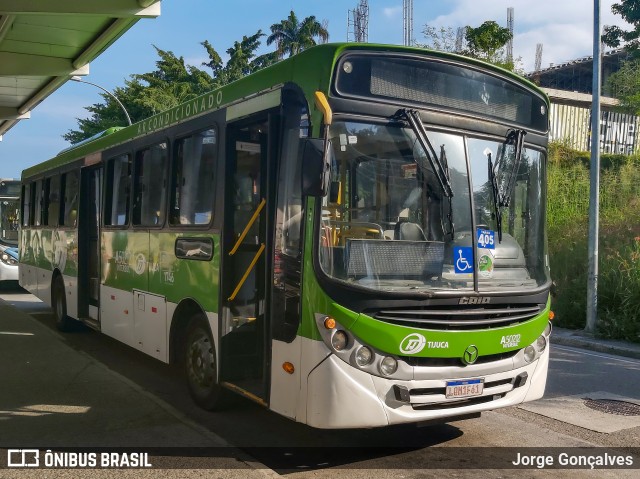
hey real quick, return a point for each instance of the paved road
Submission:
(298, 451)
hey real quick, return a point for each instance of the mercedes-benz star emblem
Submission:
(470, 355)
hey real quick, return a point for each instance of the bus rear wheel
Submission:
(63, 322)
(200, 364)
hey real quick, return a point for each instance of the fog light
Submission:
(339, 340)
(540, 344)
(364, 356)
(388, 366)
(529, 353)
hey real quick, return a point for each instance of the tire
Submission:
(63, 322)
(201, 366)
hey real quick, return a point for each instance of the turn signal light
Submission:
(329, 323)
(551, 315)
(288, 367)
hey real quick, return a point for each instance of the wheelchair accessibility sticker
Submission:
(463, 259)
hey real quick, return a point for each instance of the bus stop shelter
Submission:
(44, 43)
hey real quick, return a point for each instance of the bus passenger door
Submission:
(244, 333)
(89, 243)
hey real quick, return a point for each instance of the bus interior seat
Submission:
(405, 230)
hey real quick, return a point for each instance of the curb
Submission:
(580, 339)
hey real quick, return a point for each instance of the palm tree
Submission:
(292, 36)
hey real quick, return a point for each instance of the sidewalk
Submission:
(54, 396)
(581, 339)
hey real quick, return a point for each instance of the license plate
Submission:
(464, 388)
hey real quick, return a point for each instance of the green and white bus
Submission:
(353, 237)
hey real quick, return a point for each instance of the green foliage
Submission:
(625, 86)
(619, 247)
(108, 114)
(441, 39)
(292, 36)
(614, 36)
(174, 82)
(485, 42)
(242, 59)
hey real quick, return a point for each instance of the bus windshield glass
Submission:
(389, 222)
(9, 221)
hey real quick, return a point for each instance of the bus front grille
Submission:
(456, 318)
(421, 362)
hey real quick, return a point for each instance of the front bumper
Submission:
(342, 396)
(8, 272)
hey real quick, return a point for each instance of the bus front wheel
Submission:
(201, 365)
(63, 322)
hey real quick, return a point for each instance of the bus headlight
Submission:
(339, 340)
(346, 346)
(540, 344)
(388, 365)
(529, 353)
(364, 356)
(6, 259)
(547, 330)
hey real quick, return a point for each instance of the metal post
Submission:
(594, 196)
(126, 113)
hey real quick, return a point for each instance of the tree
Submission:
(108, 114)
(441, 39)
(625, 86)
(613, 35)
(171, 83)
(292, 37)
(487, 41)
(242, 59)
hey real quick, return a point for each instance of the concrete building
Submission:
(569, 86)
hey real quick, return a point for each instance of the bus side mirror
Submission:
(316, 166)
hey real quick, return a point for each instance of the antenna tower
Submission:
(358, 23)
(459, 39)
(407, 21)
(538, 63)
(510, 27)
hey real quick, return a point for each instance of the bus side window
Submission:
(69, 194)
(53, 207)
(34, 219)
(149, 185)
(26, 204)
(192, 185)
(117, 192)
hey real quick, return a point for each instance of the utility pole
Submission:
(594, 195)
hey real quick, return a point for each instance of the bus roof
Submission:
(312, 70)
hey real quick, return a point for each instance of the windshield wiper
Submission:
(441, 171)
(494, 193)
(445, 163)
(516, 138)
(503, 199)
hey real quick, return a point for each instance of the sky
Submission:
(564, 27)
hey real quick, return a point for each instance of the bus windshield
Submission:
(390, 222)
(9, 221)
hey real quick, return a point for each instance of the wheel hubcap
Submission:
(200, 360)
